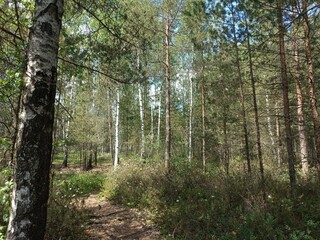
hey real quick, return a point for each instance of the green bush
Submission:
(189, 204)
(67, 216)
(6, 185)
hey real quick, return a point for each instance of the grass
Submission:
(67, 215)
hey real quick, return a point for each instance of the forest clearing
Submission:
(159, 119)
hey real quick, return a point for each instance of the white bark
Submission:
(190, 117)
(34, 143)
(159, 118)
(116, 142)
(143, 137)
(152, 121)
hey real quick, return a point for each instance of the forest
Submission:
(159, 119)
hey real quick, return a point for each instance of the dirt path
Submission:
(108, 221)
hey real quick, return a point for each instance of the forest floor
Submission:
(108, 221)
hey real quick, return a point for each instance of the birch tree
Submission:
(34, 143)
(116, 135)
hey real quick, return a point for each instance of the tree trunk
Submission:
(89, 166)
(286, 105)
(271, 134)
(95, 156)
(167, 157)
(151, 123)
(310, 74)
(256, 116)
(65, 156)
(159, 119)
(190, 117)
(65, 145)
(34, 143)
(300, 114)
(116, 145)
(110, 127)
(143, 137)
(203, 116)
(243, 110)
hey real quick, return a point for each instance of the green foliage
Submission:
(6, 185)
(66, 214)
(188, 204)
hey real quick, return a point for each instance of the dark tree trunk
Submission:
(243, 109)
(256, 115)
(312, 89)
(65, 156)
(95, 156)
(286, 105)
(34, 142)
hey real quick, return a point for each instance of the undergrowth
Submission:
(67, 215)
(188, 204)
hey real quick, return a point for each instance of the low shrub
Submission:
(189, 204)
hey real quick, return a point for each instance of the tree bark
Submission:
(116, 144)
(203, 115)
(167, 157)
(243, 109)
(286, 105)
(143, 136)
(159, 119)
(256, 115)
(310, 75)
(110, 125)
(190, 117)
(34, 143)
(300, 113)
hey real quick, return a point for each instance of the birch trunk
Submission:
(271, 134)
(159, 119)
(286, 104)
(167, 155)
(116, 142)
(190, 117)
(34, 142)
(203, 115)
(110, 125)
(300, 113)
(143, 137)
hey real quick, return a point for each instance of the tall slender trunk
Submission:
(300, 113)
(310, 75)
(286, 104)
(190, 117)
(203, 115)
(116, 142)
(143, 137)
(243, 110)
(167, 157)
(270, 129)
(34, 141)
(256, 115)
(225, 142)
(152, 121)
(110, 126)
(159, 119)
(65, 145)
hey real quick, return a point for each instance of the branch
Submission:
(11, 33)
(96, 71)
